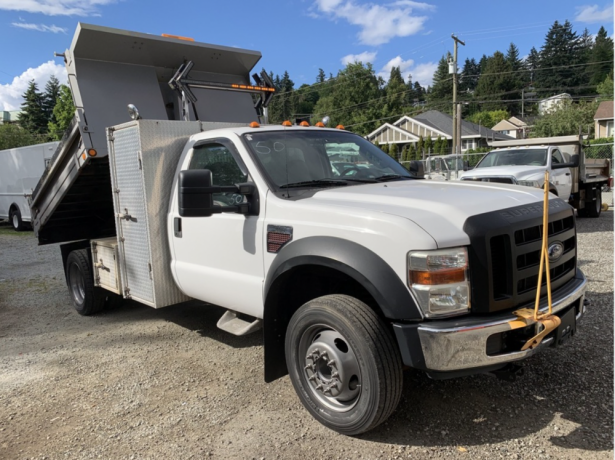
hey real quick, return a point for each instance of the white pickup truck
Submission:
(571, 176)
(352, 270)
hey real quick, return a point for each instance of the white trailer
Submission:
(20, 170)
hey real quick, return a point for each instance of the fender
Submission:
(354, 260)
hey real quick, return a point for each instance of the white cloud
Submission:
(11, 93)
(378, 23)
(593, 13)
(56, 7)
(423, 73)
(40, 27)
(364, 57)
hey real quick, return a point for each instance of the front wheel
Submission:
(344, 363)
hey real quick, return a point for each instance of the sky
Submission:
(298, 36)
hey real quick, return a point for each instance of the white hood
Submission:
(440, 208)
(519, 172)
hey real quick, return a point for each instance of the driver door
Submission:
(219, 259)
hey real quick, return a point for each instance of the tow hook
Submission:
(509, 373)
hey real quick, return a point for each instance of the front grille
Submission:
(499, 180)
(505, 254)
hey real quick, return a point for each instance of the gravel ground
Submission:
(136, 383)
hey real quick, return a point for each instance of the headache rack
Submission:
(109, 69)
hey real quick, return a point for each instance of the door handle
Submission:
(568, 174)
(177, 227)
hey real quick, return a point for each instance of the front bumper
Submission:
(467, 344)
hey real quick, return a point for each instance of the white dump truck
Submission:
(20, 170)
(351, 271)
(574, 178)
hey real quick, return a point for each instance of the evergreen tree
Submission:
(428, 146)
(393, 152)
(532, 63)
(419, 92)
(420, 148)
(395, 93)
(385, 148)
(33, 118)
(605, 89)
(63, 113)
(50, 97)
(442, 88)
(496, 84)
(601, 57)
(512, 57)
(443, 149)
(560, 51)
(469, 75)
(404, 153)
(411, 152)
(321, 78)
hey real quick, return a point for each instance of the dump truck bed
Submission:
(107, 70)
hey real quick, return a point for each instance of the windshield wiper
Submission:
(388, 177)
(317, 182)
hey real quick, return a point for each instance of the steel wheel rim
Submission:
(77, 284)
(15, 221)
(331, 369)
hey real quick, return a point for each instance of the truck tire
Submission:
(16, 221)
(87, 298)
(344, 363)
(595, 207)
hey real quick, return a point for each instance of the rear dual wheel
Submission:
(87, 298)
(344, 363)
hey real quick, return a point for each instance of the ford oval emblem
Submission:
(555, 251)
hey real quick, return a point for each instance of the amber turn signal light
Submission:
(439, 277)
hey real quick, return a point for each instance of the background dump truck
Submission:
(573, 177)
(351, 264)
(20, 170)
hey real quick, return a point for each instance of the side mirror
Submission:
(574, 163)
(417, 169)
(196, 195)
(466, 165)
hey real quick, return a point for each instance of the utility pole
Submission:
(454, 72)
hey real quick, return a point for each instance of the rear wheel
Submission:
(16, 221)
(87, 298)
(344, 364)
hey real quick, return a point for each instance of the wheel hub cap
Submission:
(332, 369)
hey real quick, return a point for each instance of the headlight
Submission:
(529, 183)
(439, 280)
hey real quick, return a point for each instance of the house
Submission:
(433, 124)
(603, 120)
(547, 105)
(516, 127)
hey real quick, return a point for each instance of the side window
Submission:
(224, 168)
(556, 157)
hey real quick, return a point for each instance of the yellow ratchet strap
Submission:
(526, 316)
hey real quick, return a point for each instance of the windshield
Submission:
(321, 158)
(525, 157)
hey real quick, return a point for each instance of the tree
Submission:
(13, 135)
(601, 58)
(404, 153)
(321, 78)
(419, 92)
(488, 119)
(532, 63)
(411, 152)
(63, 113)
(393, 152)
(410, 96)
(395, 93)
(516, 66)
(469, 76)
(560, 51)
(442, 88)
(429, 146)
(356, 100)
(385, 148)
(420, 148)
(605, 89)
(496, 84)
(443, 148)
(50, 97)
(32, 118)
(566, 119)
